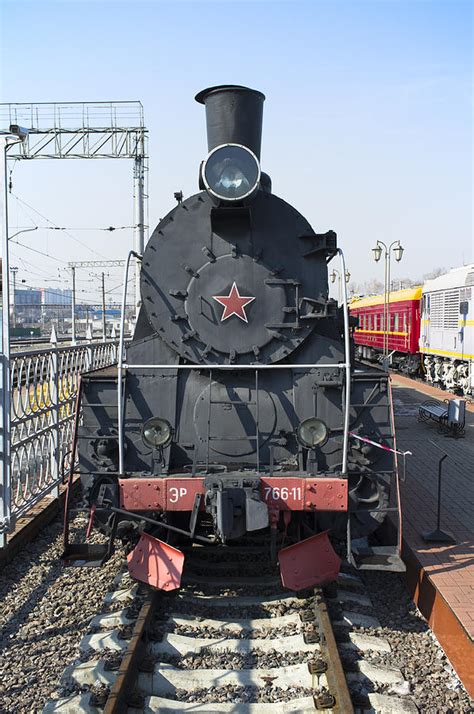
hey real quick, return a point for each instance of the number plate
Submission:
(283, 493)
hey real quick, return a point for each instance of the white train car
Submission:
(447, 329)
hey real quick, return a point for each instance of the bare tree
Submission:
(435, 273)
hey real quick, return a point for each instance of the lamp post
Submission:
(381, 247)
(335, 273)
(15, 135)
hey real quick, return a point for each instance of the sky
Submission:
(367, 120)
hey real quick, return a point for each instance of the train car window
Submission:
(396, 322)
(405, 322)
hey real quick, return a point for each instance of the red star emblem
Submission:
(234, 303)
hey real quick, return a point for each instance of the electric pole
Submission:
(73, 305)
(14, 271)
(104, 323)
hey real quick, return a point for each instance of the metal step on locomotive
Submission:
(237, 410)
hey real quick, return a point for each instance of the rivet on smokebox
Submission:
(136, 487)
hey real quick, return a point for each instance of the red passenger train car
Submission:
(403, 329)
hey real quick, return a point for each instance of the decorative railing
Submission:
(43, 391)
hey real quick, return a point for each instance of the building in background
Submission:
(56, 297)
(27, 305)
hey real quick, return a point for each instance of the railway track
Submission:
(232, 640)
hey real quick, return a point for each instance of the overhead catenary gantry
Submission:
(87, 130)
(71, 130)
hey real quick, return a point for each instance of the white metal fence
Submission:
(43, 388)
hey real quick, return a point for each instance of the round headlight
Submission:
(231, 172)
(312, 432)
(156, 432)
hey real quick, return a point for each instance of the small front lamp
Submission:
(157, 433)
(312, 432)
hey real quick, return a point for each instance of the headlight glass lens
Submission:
(156, 432)
(231, 172)
(312, 432)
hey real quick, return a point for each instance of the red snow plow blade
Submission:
(156, 563)
(308, 563)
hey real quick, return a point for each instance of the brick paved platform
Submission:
(441, 578)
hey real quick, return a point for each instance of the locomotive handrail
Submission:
(347, 361)
(123, 366)
(234, 367)
(120, 362)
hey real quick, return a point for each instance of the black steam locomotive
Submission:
(237, 406)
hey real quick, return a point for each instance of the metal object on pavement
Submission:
(450, 415)
(439, 535)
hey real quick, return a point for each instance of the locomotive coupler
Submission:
(236, 506)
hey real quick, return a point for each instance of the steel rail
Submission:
(336, 678)
(117, 701)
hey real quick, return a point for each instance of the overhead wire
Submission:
(89, 303)
(40, 252)
(53, 226)
(56, 227)
(109, 228)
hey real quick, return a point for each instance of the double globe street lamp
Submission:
(381, 247)
(336, 274)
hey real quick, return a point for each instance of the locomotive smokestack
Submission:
(233, 116)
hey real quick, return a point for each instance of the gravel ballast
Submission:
(432, 682)
(46, 609)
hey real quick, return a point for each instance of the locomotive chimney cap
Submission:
(204, 93)
(234, 115)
